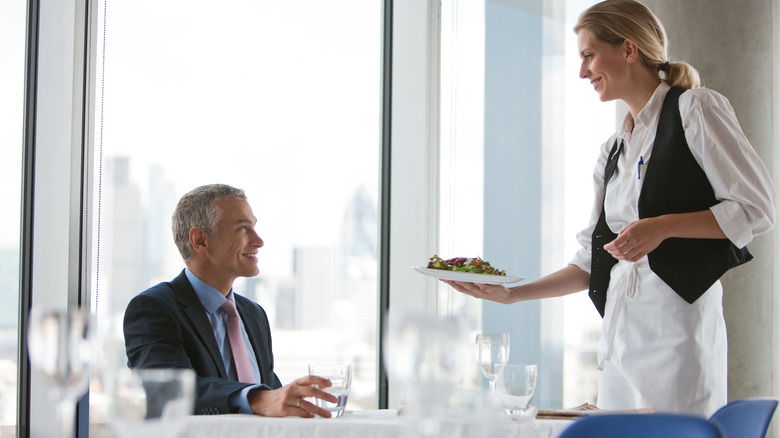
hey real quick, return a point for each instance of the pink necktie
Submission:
(237, 346)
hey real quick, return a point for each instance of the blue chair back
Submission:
(746, 418)
(642, 426)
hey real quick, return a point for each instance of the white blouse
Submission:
(740, 180)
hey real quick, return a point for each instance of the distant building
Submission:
(120, 261)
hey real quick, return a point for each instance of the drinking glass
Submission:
(152, 402)
(62, 345)
(517, 385)
(492, 355)
(340, 376)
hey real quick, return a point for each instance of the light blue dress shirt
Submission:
(212, 300)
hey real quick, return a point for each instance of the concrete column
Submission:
(732, 43)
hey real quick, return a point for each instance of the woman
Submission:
(679, 193)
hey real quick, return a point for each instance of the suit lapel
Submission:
(191, 306)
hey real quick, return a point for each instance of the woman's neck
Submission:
(647, 82)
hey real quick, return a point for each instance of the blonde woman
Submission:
(679, 193)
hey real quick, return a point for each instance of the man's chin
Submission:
(252, 273)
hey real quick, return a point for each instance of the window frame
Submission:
(59, 151)
(54, 247)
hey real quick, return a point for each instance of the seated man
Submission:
(186, 323)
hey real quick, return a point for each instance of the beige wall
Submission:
(733, 44)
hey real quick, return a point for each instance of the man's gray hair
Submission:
(198, 208)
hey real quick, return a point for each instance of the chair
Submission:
(746, 418)
(643, 426)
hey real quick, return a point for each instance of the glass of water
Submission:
(517, 385)
(340, 376)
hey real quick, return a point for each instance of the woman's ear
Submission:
(630, 50)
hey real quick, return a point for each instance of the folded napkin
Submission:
(586, 409)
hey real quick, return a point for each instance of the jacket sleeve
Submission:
(155, 338)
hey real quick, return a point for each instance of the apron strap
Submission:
(625, 287)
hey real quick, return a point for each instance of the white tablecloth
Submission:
(362, 424)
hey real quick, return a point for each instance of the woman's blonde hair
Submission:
(614, 21)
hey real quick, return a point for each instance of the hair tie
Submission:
(663, 66)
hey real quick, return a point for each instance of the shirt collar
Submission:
(648, 117)
(210, 298)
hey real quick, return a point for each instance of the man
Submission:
(185, 323)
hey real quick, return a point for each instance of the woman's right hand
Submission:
(565, 281)
(491, 292)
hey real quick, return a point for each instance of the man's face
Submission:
(233, 252)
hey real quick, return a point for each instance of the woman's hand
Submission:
(492, 292)
(289, 399)
(562, 282)
(637, 240)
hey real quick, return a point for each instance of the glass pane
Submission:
(12, 46)
(280, 99)
(520, 137)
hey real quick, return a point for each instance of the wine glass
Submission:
(426, 357)
(63, 347)
(492, 355)
(152, 402)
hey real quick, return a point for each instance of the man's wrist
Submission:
(242, 400)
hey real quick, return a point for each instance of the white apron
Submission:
(657, 351)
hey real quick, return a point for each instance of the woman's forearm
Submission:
(566, 281)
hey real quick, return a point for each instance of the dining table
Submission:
(379, 423)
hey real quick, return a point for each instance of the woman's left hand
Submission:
(637, 240)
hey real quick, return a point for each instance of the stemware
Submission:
(426, 357)
(62, 345)
(492, 355)
(152, 402)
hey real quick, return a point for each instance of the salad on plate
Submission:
(463, 264)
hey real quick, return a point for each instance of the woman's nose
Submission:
(583, 71)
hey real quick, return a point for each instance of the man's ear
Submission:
(630, 50)
(198, 239)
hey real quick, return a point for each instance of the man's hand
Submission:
(289, 399)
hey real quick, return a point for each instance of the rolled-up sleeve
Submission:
(738, 177)
(583, 255)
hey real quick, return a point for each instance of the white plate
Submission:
(468, 277)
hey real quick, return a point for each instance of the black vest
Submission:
(673, 183)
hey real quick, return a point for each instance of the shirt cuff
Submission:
(240, 399)
(733, 222)
(582, 260)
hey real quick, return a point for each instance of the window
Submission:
(281, 99)
(519, 139)
(12, 49)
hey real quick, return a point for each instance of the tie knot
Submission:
(229, 307)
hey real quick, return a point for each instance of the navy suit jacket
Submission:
(166, 327)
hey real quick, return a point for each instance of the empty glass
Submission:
(517, 385)
(492, 355)
(152, 402)
(63, 346)
(340, 376)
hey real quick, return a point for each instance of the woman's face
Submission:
(604, 65)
